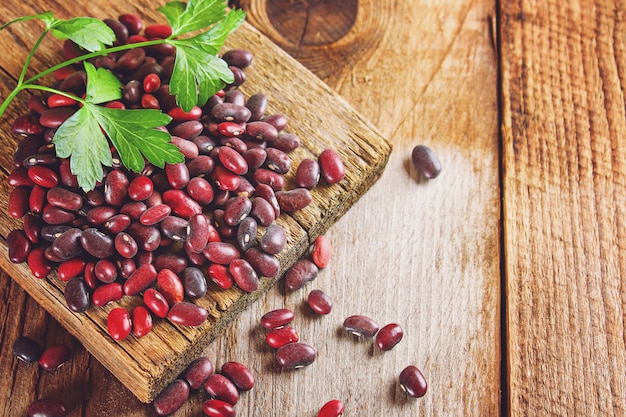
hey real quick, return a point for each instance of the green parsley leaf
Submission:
(89, 33)
(102, 85)
(81, 139)
(198, 73)
(194, 15)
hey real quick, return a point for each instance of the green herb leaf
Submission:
(102, 85)
(194, 15)
(81, 139)
(198, 73)
(89, 33)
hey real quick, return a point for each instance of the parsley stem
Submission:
(29, 58)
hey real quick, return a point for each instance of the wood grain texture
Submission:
(563, 77)
(423, 254)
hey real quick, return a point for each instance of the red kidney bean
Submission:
(307, 174)
(198, 232)
(181, 203)
(67, 178)
(151, 83)
(198, 371)
(155, 214)
(389, 336)
(100, 215)
(171, 398)
(261, 131)
(200, 190)
(274, 239)
(426, 162)
(148, 238)
(230, 129)
(133, 209)
(269, 177)
(237, 209)
(188, 130)
(267, 193)
(140, 188)
(90, 277)
(107, 293)
(187, 147)
(119, 324)
(132, 22)
(301, 272)
(19, 177)
(158, 30)
(255, 157)
(265, 264)
(177, 175)
(38, 264)
(239, 374)
(322, 251)
(361, 326)
(77, 295)
(71, 268)
(37, 199)
(47, 407)
(97, 243)
(117, 224)
(277, 338)
(333, 408)
(53, 118)
(194, 283)
(205, 144)
(412, 382)
(200, 166)
(320, 302)
(174, 227)
(115, 187)
(170, 286)
(219, 387)
(18, 202)
(55, 356)
(331, 166)
(224, 179)
(277, 161)
(230, 112)
(295, 355)
(232, 160)
(27, 124)
(42, 176)
(187, 314)
(277, 318)
(26, 349)
(234, 96)
(120, 30)
(221, 252)
(263, 212)
(32, 227)
(141, 320)
(126, 245)
(126, 267)
(286, 142)
(244, 275)
(218, 408)
(68, 244)
(294, 200)
(26, 147)
(221, 276)
(156, 302)
(179, 115)
(105, 271)
(54, 215)
(58, 100)
(141, 279)
(176, 262)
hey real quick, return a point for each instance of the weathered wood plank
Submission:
(564, 175)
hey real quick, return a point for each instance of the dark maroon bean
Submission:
(53, 118)
(133, 209)
(245, 189)
(320, 302)
(50, 233)
(294, 200)
(68, 244)
(426, 161)
(19, 177)
(300, 273)
(131, 93)
(64, 198)
(278, 338)
(200, 166)
(246, 233)
(174, 227)
(176, 262)
(233, 161)
(118, 223)
(194, 282)
(130, 60)
(188, 130)
(277, 161)
(93, 197)
(274, 239)
(220, 199)
(230, 112)
(32, 227)
(412, 381)
(142, 278)
(148, 238)
(361, 326)
(279, 121)
(221, 252)
(257, 103)
(389, 336)
(40, 159)
(26, 147)
(19, 202)
(218, 387)
(187, 314)
(267, 193)
(53, 357)
(115, 187)
(277, 318)
(218, 408)
(119, 325)
(107, 293)
(239, 374)
(26, 349)
(126, 267)
(105, 271)
(75, 83)
(141, 320)
(221, 276)
(77, 295)
(307, 174)
(27, 124)
(198, 371)
(286, 142)
(119, 29)
(156, 302)
(97, 243)
(99, 215)
(181, 203)
(54, 215)
(133, 23)
(198, 232)
(261, 131)
(331, 166)
(47, 407)
(171, 398)
(265, 264)
(332, 408)
(244, 275)
(185, 146)
(238, 74)
(255, 157)
(269, 177)
(241, 58)
(237, 209)
(295, 355)
(205, 144)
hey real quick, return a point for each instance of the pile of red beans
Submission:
(162, 234)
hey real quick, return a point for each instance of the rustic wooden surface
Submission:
(505, 271)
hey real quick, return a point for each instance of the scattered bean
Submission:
(412, 382)
(26, 349)
(295, 355)
(389, 336)
(360, 325)
(172, 398)
(426, 162)
(47, 407)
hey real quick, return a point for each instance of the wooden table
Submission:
(505, 271)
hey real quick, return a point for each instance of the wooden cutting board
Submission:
(320, 117)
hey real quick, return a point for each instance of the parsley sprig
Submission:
(199, 30)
